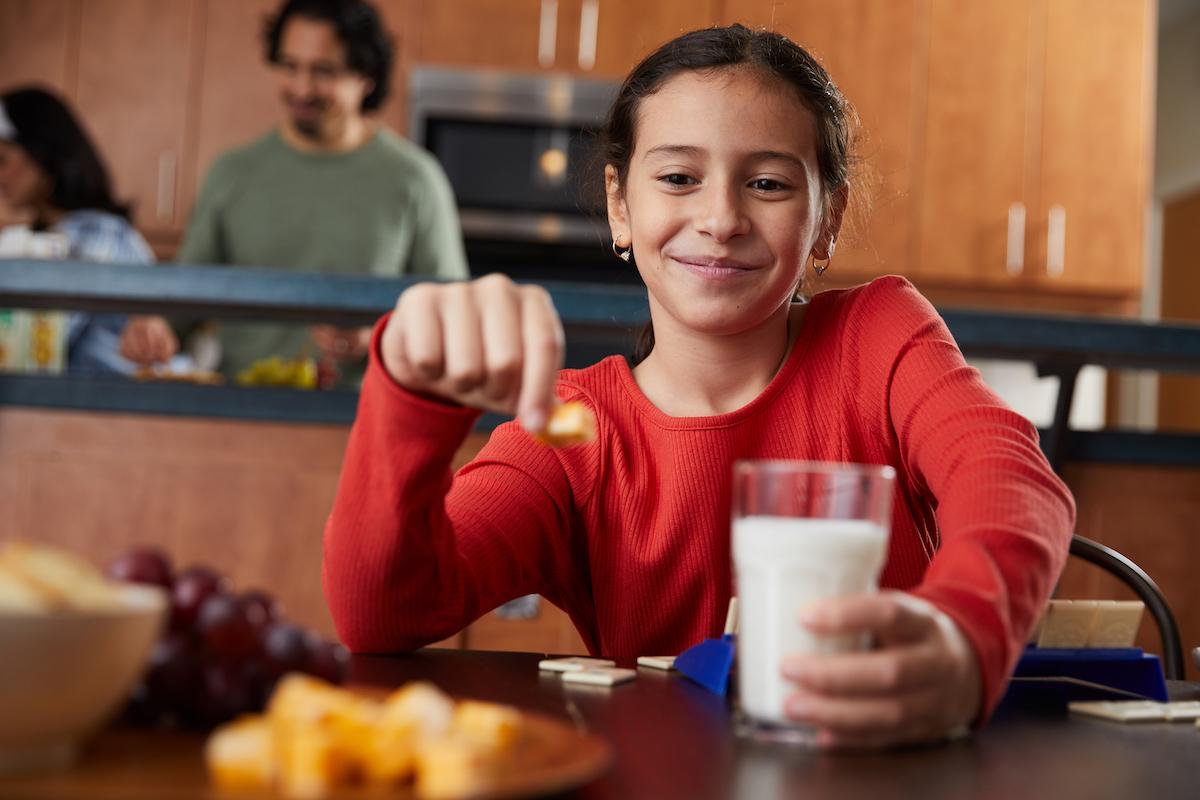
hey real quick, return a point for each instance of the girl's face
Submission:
(723, 202)
(23, 184)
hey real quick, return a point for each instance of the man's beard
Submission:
(308, 128)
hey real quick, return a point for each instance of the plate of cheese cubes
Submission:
(316, 740)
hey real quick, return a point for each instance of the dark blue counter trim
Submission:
(599, 319)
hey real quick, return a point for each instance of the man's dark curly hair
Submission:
(368, 46)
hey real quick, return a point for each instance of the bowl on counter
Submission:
(65, 673)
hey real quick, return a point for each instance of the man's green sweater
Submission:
(384, 209)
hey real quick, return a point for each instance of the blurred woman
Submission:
(52, 178)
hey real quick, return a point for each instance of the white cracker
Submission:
(600, 677)
(657, 662)
(1183, 710)
(574, 664)
(1068, 623)
(1116, 623)
(1122, 710)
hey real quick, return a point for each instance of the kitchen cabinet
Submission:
(972, 185)
(133, 86)
(626, 31)
(519, 35)
(599, 38)
(35, 39)
(1096, 153)
(1035, 161)
(871, 52)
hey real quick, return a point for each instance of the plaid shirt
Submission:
(93, 340)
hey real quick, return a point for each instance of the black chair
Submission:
(1136, 578)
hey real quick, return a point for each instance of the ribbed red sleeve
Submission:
(411, 554)
(1003, 517)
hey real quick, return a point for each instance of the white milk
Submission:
(784, 563)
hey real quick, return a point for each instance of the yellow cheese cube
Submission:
(492, 727)
(240, 754)
(449, 768)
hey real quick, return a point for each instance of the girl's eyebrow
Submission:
(693, 151)
(674, 150)
(779, 155)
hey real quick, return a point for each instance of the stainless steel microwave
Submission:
(519, 151)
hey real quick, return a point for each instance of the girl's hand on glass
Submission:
(487, 343)
(920, 684)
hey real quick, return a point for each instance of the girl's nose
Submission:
(720, 213)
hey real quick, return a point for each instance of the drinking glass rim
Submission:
(776, 465)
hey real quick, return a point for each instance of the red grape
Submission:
(225, 627)
(224, 693)
(174, 673)
(260, 607)
(327, 660)
(190, 591)
(285, 649)
(141, 565)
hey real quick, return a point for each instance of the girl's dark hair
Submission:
(49, 133)
(712, 49)
(368, 47)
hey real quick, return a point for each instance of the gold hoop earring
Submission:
(820, 268)
(622, 254)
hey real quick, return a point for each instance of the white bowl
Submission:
(64, 674)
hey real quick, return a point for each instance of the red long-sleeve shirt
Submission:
(629, 534)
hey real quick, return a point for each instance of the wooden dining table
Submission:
(670, 738)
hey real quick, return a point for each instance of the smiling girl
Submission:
(728, 161)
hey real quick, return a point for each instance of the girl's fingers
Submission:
(500, 306)
(542, 346)
(887, 617)
(419, 332)
(873, 672)
(897, 718)
(462, 339)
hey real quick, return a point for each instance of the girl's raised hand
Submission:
(487, 343)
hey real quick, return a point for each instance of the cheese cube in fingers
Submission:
(569, 423)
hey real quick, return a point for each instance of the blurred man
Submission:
(329, 190)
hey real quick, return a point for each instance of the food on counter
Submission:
(315, 739)
(201, 377)
(569, 423)
(37, 578)
(222, 652)
(297, 373)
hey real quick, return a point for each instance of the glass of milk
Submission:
(802, 531)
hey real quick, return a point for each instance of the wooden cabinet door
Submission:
(504, 34)
(1096, 145)
(626, 31)
(237, 99)
(133, 92)
(35, 43)
(975, 173)
(870, 50)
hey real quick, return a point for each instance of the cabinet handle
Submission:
(1056, 241)
(1015, 261)
(547, 32)
(164, 201)
(589, 25)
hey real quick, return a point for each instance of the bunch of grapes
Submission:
(222, 652)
